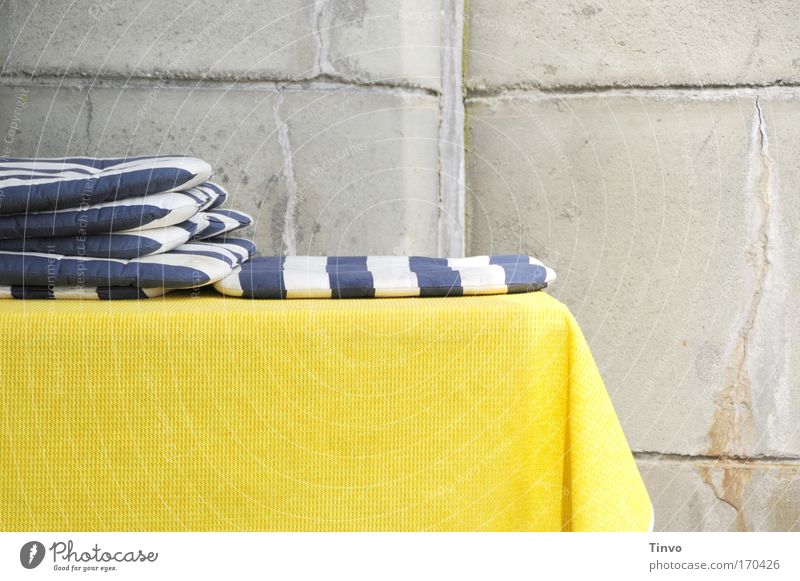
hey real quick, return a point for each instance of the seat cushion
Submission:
(33, 185)
(154, 211)
(126, 244)
(383, 276)
(108, 293)
(187, 266)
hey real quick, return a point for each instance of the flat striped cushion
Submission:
(155, 211)
(383, 276)
(33, 185)
(222, 222)
(126, 244)
(187, 266)
(108, 293)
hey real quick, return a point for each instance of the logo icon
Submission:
(31, 554)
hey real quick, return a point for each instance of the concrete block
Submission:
(705, 495)
(382, 41)
(183, 38)
(322, 171)
(366, 172)
(682, 501)
(255, 39)
(650, 207)
(583, 43)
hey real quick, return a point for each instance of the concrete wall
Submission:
(322, 118)
(648, 151)
(645, 149)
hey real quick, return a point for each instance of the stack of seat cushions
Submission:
(133, 228)
(113, 228)
(383, 276)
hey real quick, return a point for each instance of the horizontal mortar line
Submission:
(750, 460)
(320, 83)
(693, 92)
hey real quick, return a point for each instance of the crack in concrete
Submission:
(289, 237)
(731, 432)
(321, 25)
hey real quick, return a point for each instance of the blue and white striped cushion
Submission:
(208, 194)
(222, 222)
(109, 293)
(154, 211)
(126, 244)
(187, 266)
(33, 185)
(383, 276)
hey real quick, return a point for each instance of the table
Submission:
(205, 413)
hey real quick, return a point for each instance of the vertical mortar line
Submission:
(451, 239)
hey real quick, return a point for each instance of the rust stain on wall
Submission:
(731, 432)
(729, 483)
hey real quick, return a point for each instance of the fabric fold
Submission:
(590, 463)
(223, 221)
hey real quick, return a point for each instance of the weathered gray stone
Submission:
(181, 38)
(771, 499)
(377, 42)
(5, 34)
(552, 43)
(682, 501)
(256, 39)
(384, 41)
(650, 209)
(367, 172)
(703, 495)
(323, 171)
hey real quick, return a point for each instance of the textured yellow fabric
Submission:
(207, 413)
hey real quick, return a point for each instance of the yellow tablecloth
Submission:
(206, 413)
